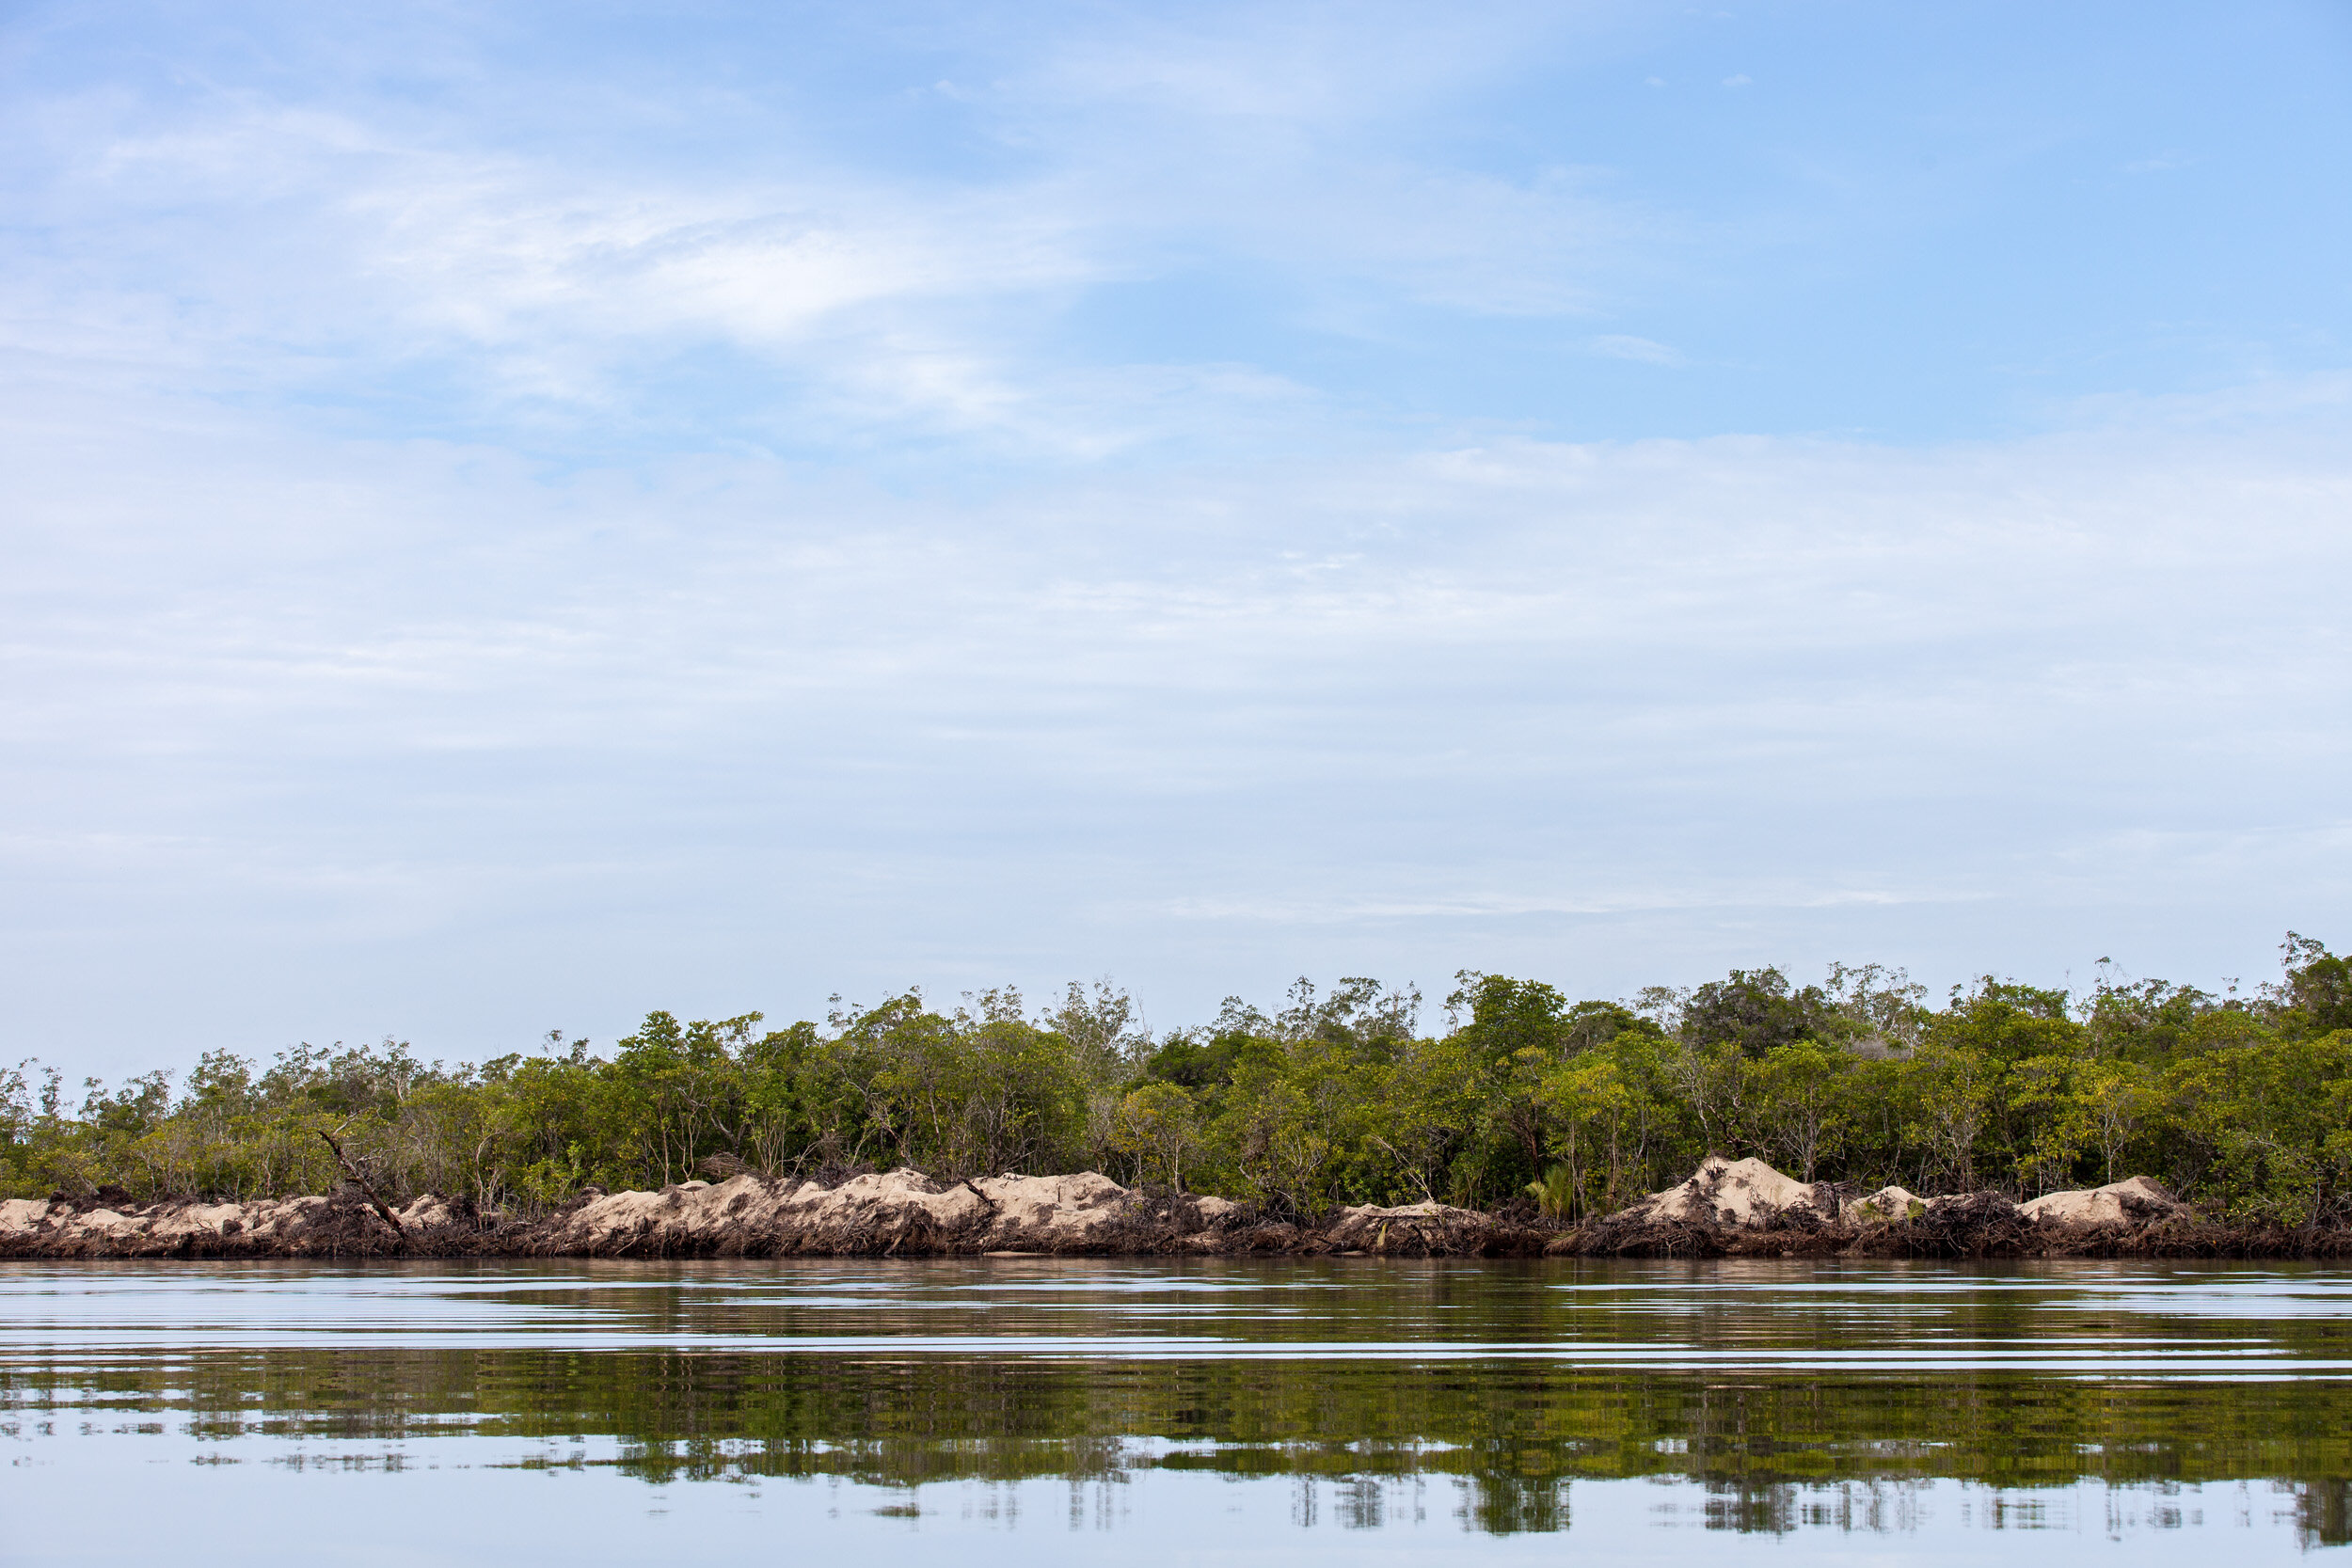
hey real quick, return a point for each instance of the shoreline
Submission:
(1727, 1209)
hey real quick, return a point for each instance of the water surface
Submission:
(1042, 1410)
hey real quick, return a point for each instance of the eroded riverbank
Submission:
(1727, 1208)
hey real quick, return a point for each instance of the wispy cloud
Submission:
(363, 244)
(703, 517)
(1640, 350)
(1602, 684)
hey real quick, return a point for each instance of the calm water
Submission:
(1043, 1410)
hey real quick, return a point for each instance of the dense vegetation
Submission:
(2242, 1102)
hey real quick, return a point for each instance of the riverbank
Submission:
(1727, 1208)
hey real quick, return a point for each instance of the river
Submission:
(1045, 1411)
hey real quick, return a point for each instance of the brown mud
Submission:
(1727, 1209)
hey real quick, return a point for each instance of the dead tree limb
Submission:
(383, 1209)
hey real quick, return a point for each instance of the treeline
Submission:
(2241, 1103)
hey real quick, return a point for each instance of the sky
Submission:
(516, 516)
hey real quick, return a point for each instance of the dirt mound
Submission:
(1058, 1213)
(339, 1226)
(1745, 1206)
(440, 1211)
(1886, 1204)
(747, 1214)
(2134, 1200)
(900, 1211)
(1727, 1207)
(1748, 1194)
(751, 1215)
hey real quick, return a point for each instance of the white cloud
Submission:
(1644, 351)
(649, 735)
(556, 288)
(872, 613)
(358, 243)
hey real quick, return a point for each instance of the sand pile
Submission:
(898, 1211)
(1053, 1213)
(2134, 1200)
(1746, 1207)
(1885, 1205)
(434, 1212)
(1728, 1206)
(293, 1226)
(895, 1210)
(1747, 1194)
(1091, 1212)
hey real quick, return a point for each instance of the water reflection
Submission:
(1753, 1398)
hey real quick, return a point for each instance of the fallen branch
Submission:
(382, 1208)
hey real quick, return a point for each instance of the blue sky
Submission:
(523, 515)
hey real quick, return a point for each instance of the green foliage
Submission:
(1507, 1016)
(1755, 1010)
(1616, 1119)
(1800, 1093)
(2273, 1126)
(2318, 986)
(1554, 1193)
(2244, 1102)
(1158, 1127)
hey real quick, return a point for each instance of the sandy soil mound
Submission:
(437, 1212)
(1216, 1211)
(895, 1210)
(2134, 1200)
(1054, 1213)
(1746, 1208)
(898, 1211)
(278, 1227)
(1742, 1207)
(1748, 1194)
(1885, 1205)
(22, 1215)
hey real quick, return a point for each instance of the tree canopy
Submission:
(1337, 1095)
